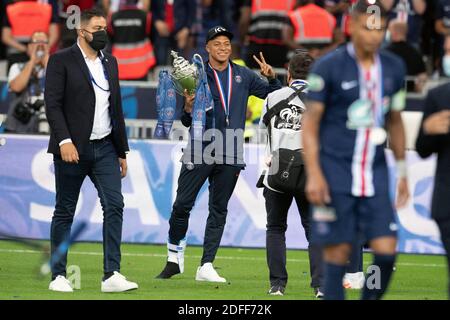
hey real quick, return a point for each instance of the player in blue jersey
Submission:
(355, 93)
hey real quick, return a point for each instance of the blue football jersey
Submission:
(356, 103)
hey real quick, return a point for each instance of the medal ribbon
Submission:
(225, 104)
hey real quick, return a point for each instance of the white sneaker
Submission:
(208, 273)
(354, 280)
(118, 283)
(60, 284)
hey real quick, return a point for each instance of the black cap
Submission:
(218, 31)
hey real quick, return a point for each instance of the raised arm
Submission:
(259, 87)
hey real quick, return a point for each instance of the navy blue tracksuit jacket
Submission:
(228, 149)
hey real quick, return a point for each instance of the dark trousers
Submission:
(277, 207)
(444, 228)
(222, 180)
(101, 164)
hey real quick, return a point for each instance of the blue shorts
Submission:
(349, 218)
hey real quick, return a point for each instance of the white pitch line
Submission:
(157, 255)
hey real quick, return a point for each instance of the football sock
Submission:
(170, 270)
(333, 288)
(172, 256)
(356, 262)
(376, 285)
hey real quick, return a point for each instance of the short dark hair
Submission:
(88, 14)
(300, 64)
(361, 7)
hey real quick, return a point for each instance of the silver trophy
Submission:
(184, 75)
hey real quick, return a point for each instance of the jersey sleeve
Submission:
(319, 81)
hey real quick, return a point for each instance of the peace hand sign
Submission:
(266, 69)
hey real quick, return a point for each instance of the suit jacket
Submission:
(70, 101)
(437, 100)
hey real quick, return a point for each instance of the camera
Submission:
(25, 110)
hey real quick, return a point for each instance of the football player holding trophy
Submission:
(215, 113)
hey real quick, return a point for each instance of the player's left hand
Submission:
(266, 69)
(402, 193)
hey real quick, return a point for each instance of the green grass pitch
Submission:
(417, 277)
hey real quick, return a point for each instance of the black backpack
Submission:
(286, 173)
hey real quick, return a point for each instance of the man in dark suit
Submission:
(83, 107)
(434, 137)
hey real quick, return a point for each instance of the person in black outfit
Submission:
(285, 132)
(434, 137)
(415, 67)
(88, 138)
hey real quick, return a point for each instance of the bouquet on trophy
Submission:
(185, 76)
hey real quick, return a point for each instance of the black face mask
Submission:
(99, 40)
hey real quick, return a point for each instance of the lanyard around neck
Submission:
(225, 103)
(95, 82)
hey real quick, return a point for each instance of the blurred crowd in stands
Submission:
(143, 32)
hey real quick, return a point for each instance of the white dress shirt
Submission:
(102, 120)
